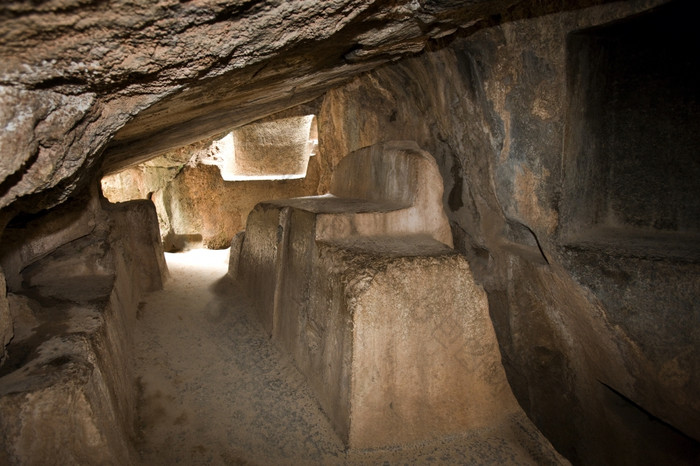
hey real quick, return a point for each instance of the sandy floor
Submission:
(216, 390)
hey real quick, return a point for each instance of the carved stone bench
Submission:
(381, 315)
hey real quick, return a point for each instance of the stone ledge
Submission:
(63, 396)
(67, 393)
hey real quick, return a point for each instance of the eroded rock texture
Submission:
(567, 140)
(6, 330)
(576, 320)
(74, 74)
(196, 206)
(75, 276)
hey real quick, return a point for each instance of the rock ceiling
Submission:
(90, 86)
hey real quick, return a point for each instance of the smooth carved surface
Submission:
(276, 149)
(617, 305)
(396, 172)
(268, 240)
(421, 358)
(384, 319)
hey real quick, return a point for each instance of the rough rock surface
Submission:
(176, 72)
(59, 404)
(576, 323)
(66, 390)
(195, 205)
(495, 100)
(6, 327)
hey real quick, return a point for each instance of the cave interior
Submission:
(452, 219)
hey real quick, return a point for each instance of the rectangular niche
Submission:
(277, 149)
(631, 155)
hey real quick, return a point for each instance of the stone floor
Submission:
(215, 390)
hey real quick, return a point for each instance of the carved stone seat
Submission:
(387, 189)
(381, 315)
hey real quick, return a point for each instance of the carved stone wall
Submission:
(593, 338)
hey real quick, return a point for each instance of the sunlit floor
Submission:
(216, 390)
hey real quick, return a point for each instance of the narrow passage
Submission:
(215, 390)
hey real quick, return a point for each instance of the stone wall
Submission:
(580, 339)
(75, 276)
(196, 206)
(168, 74)
(201, 208)
(598, 331)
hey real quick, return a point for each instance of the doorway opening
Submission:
(203, 192)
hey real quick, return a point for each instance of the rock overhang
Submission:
(145, 78)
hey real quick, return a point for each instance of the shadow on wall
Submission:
(572, 308)
(631, 198)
